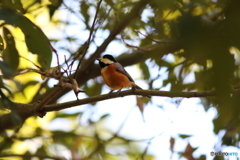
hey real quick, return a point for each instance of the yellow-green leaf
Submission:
(36, 40)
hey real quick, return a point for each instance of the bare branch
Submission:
(56, 107)
(132, 46)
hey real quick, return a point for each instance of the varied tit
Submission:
(114, 75)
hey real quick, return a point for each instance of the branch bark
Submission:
(56, 107)
(171, 94)
(6, 122)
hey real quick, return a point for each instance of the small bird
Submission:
(114, 75)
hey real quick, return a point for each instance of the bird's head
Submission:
(106, 60)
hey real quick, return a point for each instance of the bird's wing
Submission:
(120, 69)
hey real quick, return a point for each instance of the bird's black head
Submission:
(106, 60)
(110, 57)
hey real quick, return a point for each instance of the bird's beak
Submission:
(98, 59)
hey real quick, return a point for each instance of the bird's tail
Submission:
(137, 87)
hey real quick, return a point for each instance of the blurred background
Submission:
(166, 45)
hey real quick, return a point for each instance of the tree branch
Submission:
(88, 67)
(91, 71)
(26, 110)
(57, 107)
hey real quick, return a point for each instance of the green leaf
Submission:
(145, 70)
(10, 54)
(36, 40)
(84, 10)
(104, 116)
(8, 15)
(94, 89)
(183, 136)
(13, 4)
(67, 115)
(54, 6)
(6, 70)
(1, 44)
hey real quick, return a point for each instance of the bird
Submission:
(114, 74)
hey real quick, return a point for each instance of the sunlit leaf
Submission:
(36, 40)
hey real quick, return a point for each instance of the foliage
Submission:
(202, 38)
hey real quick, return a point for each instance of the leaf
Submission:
(183, 136)
(145, 70)
(8, 15)
(1, 44)
(172, 143)
(94, 89)
(13, 4)
(140, 106)
(84, 10)
(54, 6)
(188, 153)
(104, 116)
(2, 85)
(6, 70)
(10, 54)
(36, 40)
(41, 151)
(67, 115)
(110, 2)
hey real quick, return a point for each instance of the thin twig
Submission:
(89, 39)
(55, 51)
(146, 36)
(154, 39)
(132, 46)
(148, 144)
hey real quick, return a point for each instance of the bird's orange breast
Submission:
(114, 79)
